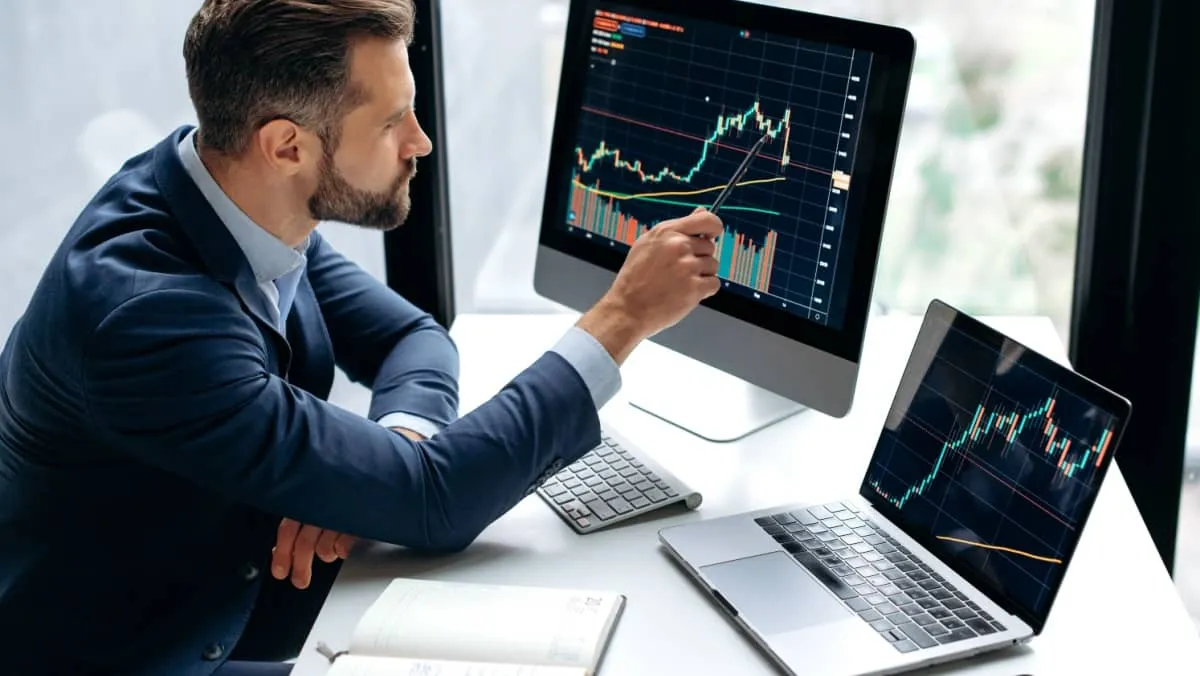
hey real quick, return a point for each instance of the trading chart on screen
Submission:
(997, 460)
(670, 111)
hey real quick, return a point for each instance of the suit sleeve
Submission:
(383, 341)
(178, 379)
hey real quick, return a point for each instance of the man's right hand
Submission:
(666, 274)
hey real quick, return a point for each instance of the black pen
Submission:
(737, 175)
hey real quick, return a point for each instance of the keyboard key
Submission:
(965, 613)
(876, 599)
(870, 615)
(620, 505)
(925, 620)
(953, 623)
(940, 613)
(881, 626)
(936, 630)
(639, 502)
(887, 608)
(858, 604)
(820, 512)
(655, 495)
(956, 635)
(905, 646)
(835, 507)
(917, 635)
(981, 627)
(805, 518)
(601, 510)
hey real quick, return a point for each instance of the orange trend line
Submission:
(998, 548)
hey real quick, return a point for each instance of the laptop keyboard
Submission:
(901, 597)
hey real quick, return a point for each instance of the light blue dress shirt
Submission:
(278, 268)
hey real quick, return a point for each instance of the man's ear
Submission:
(285, 146)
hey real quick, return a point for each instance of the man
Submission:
(164, 434)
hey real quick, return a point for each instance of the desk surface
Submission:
(1117, 611)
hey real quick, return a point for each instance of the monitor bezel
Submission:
(1084, 387)
(887, 90)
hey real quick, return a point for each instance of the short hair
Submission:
(251, 61)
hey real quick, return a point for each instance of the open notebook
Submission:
(430, 628)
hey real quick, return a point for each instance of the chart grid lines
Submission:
(675, 110)
(993, 458)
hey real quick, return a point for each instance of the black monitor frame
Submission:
(891, 70)
(419, 257)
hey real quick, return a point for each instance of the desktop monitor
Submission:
(659, 103)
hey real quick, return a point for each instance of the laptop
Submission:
(985, 471)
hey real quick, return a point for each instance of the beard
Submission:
(336, 200)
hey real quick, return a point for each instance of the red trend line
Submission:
(665, 130)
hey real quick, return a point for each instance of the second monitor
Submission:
(659, 103)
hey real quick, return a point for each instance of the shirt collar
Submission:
(269, 257)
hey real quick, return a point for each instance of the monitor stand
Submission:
(698, 398)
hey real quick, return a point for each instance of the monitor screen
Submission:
(671, 105)
(992, 455)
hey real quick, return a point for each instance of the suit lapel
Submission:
(314, 359)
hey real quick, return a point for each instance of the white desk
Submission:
(1117, 612)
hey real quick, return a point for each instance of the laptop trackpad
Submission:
(773, 593)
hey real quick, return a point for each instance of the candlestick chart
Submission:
(660, 134)
(995, 460)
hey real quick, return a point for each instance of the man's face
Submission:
(365, 180)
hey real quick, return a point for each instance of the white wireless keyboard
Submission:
(612, 483)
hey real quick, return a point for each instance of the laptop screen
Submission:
(991, 456)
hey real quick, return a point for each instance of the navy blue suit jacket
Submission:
(155, 426)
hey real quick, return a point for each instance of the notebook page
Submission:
(486, 623)
(354, 665)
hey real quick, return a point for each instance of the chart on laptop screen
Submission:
(671, 108)
(996, 461)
